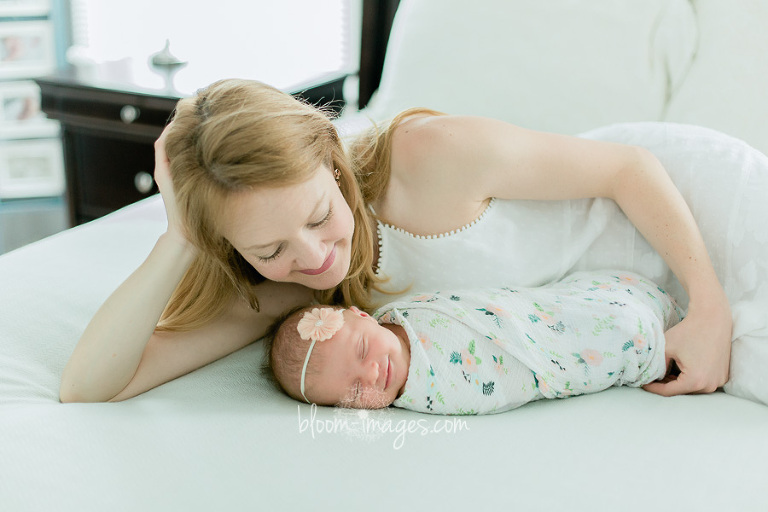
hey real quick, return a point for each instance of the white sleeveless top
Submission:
(530, 243)
(515, 243)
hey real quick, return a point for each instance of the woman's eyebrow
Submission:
(317, 208)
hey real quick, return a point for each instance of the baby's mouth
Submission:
(389, 373)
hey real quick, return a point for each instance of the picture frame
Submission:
(20, 114)
(26, 49)
(31, 168)
(15, 8)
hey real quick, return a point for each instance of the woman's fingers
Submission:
(165, 185)
(162, 164)
(701, 354)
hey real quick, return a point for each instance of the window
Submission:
(282, 43)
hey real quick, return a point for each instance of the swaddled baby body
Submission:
(479, 351)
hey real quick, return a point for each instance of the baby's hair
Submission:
(286, 351)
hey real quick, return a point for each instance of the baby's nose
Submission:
(372, 374)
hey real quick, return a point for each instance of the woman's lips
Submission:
(326, 264)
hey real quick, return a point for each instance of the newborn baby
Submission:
(479, 351)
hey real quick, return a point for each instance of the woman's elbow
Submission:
(71, 394)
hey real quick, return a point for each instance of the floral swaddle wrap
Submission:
(492, 350)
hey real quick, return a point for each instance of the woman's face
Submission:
(298, 233)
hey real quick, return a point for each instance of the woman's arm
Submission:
(119, 355)
(465, 160)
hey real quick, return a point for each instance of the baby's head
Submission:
(334, 356)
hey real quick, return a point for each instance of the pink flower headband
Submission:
(319, 324)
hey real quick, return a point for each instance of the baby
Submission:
(479, 351)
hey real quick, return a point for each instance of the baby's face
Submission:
(363, 366)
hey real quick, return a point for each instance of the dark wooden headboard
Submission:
(377, 23)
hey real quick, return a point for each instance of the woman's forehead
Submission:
(264, 214)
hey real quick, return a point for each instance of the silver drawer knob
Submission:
(143, 182)
(129, 114)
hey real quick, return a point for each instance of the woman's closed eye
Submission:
(314, 225)
(273, 256)
(325, 219)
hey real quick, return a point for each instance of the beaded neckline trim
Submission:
(381, 225)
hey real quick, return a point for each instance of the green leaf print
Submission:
(478, 360)
(439, 321)
(603, 324)
(628, 345)
(472, 347)
(439, 398)
(640, 329)
(455, 358)
(539, 308)
(459, 313)
(656, 300)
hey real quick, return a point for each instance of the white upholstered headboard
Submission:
(572, 65)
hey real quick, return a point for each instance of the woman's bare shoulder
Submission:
(431, 188)
(423, 145)
(421, 133)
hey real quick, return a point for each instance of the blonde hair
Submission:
(238, 134)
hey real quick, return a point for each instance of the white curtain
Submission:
(283, 43)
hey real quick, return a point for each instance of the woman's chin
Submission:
(328, 279)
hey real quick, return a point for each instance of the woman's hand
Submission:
(700, 346)
(176, 228)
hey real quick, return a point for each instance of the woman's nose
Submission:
(311, 254)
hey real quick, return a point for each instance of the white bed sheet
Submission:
(221, 438)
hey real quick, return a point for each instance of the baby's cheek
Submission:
(373, 399)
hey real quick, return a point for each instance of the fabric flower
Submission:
(591, 357)
(320, 324)
(627, 279)
(425, 341)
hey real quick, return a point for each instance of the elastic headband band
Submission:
(319, 324)
(304, 369)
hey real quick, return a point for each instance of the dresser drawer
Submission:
(109, 173)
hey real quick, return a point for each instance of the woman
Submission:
(265, 213)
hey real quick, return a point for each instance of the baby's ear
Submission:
(358, 312)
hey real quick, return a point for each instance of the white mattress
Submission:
(222, 439)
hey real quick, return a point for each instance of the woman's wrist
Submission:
(707, 294)
(172, 240)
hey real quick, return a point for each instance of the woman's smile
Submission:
(325, 266)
